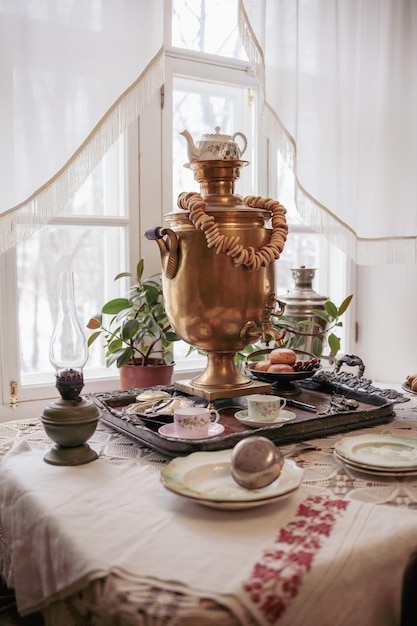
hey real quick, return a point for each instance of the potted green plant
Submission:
(138, 336)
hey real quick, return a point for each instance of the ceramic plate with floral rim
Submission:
(374, 471)
(383, 452)
(205, 477)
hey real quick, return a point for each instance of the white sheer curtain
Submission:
(73, 74)
(340, 93)
(340, 87)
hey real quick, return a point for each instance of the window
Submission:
(91, 238)
(200, 105)
(209, 27)
(101, 233)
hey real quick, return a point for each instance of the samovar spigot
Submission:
(269, 333)
(266, 331)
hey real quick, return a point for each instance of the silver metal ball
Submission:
(256, 462)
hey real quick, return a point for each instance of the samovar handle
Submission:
(168, 248)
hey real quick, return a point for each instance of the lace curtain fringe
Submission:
(363, 251)
(21, 222)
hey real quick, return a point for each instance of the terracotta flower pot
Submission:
(140, 376)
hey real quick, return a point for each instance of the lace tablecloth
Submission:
(111, 600)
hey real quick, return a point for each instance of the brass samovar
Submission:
(218, 273)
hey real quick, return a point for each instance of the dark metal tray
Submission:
(373, 408)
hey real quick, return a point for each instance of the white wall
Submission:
(386, 301)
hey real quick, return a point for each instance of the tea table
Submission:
(106, 543)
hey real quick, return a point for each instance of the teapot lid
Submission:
(217, 135)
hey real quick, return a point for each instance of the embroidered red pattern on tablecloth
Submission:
(277, 578)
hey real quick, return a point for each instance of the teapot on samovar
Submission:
(215, 146)
(218, 262)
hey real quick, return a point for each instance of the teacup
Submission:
(265, 408)
(194, 422)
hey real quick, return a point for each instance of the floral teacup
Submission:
(265, 408)
(194, 422)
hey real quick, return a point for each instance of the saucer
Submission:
(168, 430)
(284, 416)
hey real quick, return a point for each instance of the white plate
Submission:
(205, 477)
(365, 469)
(168, 430)
(380, 452)
(284, 416)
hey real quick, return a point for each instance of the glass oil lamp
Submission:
(70, 420)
